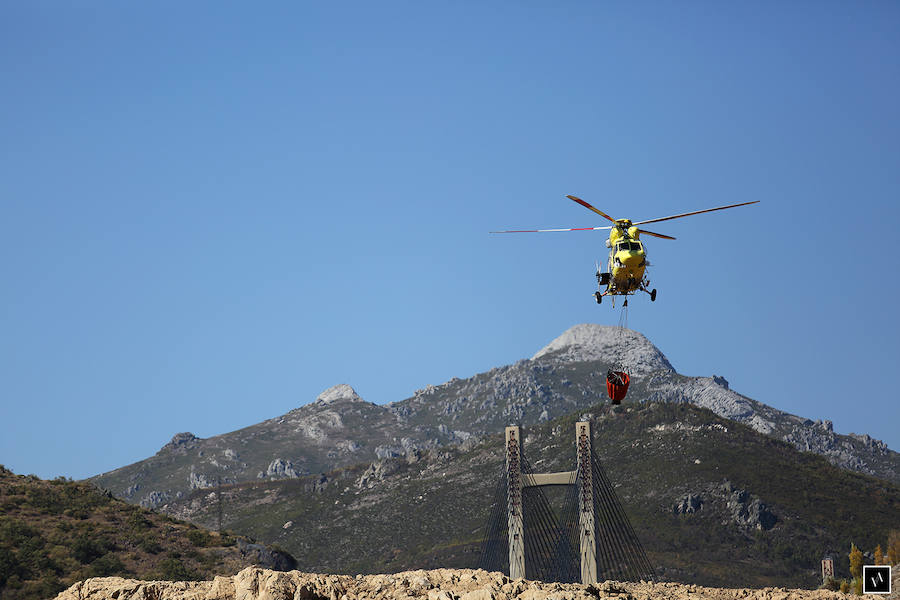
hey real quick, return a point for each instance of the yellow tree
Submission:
(856, 561)
(894, 547)
(880, 558)
(856, 564)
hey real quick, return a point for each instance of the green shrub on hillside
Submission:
(150, 545)
(172, 569)
(138, 521)
(87, 548)
(200, 538)
(831, 584)
(108, 565)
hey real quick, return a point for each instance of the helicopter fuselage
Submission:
(627, 260)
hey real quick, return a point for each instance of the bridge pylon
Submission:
(581, 477)
(590, 539)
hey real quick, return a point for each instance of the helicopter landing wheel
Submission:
(599, 297)
(653, 296)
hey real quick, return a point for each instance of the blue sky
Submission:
(210, 212)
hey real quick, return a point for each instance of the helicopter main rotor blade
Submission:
(696, 212)
(659, 235)
(543, 230)
(588, 206)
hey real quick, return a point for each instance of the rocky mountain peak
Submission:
(341, 391)
(590, 341)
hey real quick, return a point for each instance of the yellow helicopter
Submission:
(627, 256)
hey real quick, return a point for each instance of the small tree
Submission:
(880, 558)
(831, 584)
(856, 562)
(894, 547)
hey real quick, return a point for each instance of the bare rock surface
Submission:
(590, 341)
(341, 391)
(255, 583)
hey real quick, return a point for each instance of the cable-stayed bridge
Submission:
(589, 539)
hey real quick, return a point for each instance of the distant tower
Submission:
(827, 569)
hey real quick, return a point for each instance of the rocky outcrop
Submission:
(199, 481)
(688, 505)
(280, 469)
(376, 472)
(181, 443)
(407, 447)
(440, 584)
(342, 391)
(266, 558)
(740, 507)
(746, 510)
(155, 499)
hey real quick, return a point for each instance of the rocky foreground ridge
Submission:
(254, 583)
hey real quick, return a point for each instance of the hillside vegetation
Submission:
(765, 513)
(55, 533)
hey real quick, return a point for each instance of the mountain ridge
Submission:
(339, 428)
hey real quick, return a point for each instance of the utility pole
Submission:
(219, 504)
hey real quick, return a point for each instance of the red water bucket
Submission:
(617, 385)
